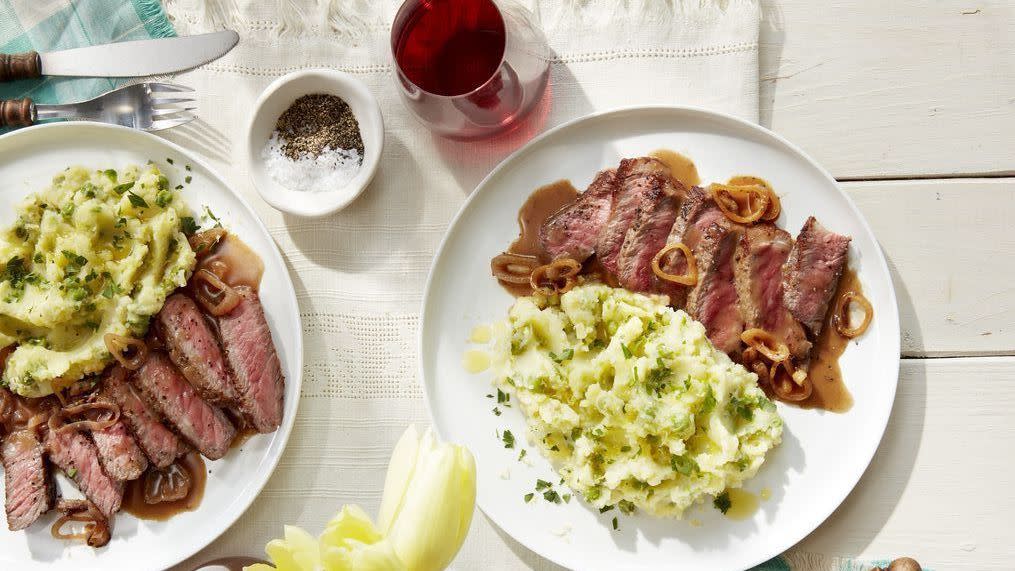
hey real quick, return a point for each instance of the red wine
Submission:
(451, 47)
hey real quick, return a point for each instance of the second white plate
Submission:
(822, 455)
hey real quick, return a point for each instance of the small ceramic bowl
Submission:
(276, 98)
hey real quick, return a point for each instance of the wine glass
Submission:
(468, 68)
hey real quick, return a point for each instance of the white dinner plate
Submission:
(822, 454)
(29, 159)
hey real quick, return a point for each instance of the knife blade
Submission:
(122, 59)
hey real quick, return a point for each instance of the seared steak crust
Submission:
(811, 274)
(638, 180)
(647, 235)
(27, 482)
(572, 231)
(159, 443)
(77, 456)
(251, 355)
(698, 212)
(201, 424)
(195, 351)
(119, 453)
(713, 300)
(760, 256)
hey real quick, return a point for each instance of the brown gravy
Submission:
(681, 167)
(234, 263)
(133, 497)
(830, 393)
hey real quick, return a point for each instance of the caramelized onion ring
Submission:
(6, 406)
(91, 421)
(204, 241)
(217, 297)
(689, 278)
(788, 384)
(774, 204)
(167, 485)
(96, 532)
(765, 343)
(513, 268)
(129, 352)
(557, 277)
(840, 318)
(732, 199)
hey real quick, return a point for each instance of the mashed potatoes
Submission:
(96, 252)
(630, 401)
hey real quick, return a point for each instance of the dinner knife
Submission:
(122, 59)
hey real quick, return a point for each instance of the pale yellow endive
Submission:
(426, 510)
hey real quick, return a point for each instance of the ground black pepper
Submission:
(317, 122)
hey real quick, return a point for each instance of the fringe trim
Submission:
(154, 18)
(354, 18)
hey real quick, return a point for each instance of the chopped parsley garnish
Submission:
(122, 188)
(625, 507)
(14, 272)
(188, 225)
(509, 439)
(551, 496)
(722, 502)
(110, 290)
(38, 259)
(627, 352)
(211, 215)
(187, 179)
(741, 408)
(496, 411)
(74, 262)
(72, 472)
(564, 355)
(528, 497)
(163, 198)
(683, 465)
(615, 524)
(709, 404)
(566, 498)
(605, 509)
(502, 396)
(522, 454)
(187, 167)
(136, 200)
(542, 485)
(110, 174)
(655, 381)
(169, 160)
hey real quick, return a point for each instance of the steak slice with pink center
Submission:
(648, 235)
(713, 300)
(159, 444)
(119, 453)
(760, 256)
(27, 483)
(698, 212)
(637, 183)
(572, 231)
(199, 423)
(811, 274)
(77, 456)
(251, 355)
(195, 350)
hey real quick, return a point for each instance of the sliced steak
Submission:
(759, 259)
(159, 444)
(119, 453)
(572, 231)
(28, 485)
(713, 300)
(811, 274)
(166, 391)
(251, 355)
(195, 351)
(78, 457)
(648, 235)
(698, 212)
(638, 180)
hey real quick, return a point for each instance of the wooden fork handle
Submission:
(17, 112)
(20, 66)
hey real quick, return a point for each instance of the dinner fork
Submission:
(145, 106)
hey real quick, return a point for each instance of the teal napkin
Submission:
(63, 24)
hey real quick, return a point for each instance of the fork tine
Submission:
(156, 86)
(171, 100)
(169, 123)
(169, 112)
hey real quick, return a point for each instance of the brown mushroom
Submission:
(904, 564)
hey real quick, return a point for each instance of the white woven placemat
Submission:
(359, 274)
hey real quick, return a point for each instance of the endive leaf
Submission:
(400, 472)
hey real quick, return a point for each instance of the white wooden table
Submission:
(911, 104)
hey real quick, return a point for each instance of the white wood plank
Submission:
(940, 488)
(949, 246)
(892, 89)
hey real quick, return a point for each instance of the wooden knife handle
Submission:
(20, 66)
(17, 112)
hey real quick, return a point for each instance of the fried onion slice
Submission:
(789, 384)
(741, 204)
(841, 320)
(96, 531)
(513, 268)
(689, 278)
(204, 242)
(774, 204)
(129, 352)
(97, 415)
(556, 277)
(216, 296)
(765, 343)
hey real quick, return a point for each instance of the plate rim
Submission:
(705, 113)
(260, 480)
